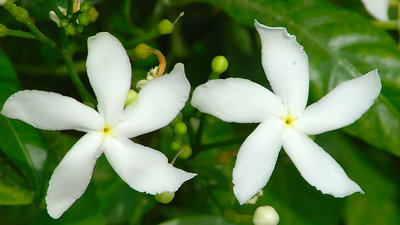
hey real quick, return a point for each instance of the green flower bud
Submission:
(219, 64)
(70, 30)
(186, 152)
(165, 197)
(64, 23)
(3, 30)
(93, 14)
(83, 19)
(180, 128)
(265, 215)
(20, 14)
(142, 51)
(79, 28)
(176, 145)
(85, 6)
(165, 27)
(132, 96)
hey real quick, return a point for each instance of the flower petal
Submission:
(51, 111)
(342, 106)
(256, 159)
(109, 72)
(158, 103)
(237, 100)
(72, 175)
(377, 8)
(316, 166)
(144, 169)
(286, 65)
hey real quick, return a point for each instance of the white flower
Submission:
(285, 120)
(377, 8)
(108, 130)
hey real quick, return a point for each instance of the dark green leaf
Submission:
(197, 220)
(341, 45)
(17, 139)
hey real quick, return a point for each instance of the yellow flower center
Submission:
(107, 130)
(289, 120)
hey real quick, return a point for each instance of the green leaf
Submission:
(13, 186)
(17, 139)
(341, 45)
(373, 171)
(197, 220)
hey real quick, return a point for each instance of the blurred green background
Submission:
(341, 43)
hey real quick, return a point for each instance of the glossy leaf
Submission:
(341, 45)
(17, 139)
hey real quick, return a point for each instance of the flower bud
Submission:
(265, 215)
(180, 128)
(165, 197)
(142, 51)
(20, 14)
(176, 145)
(83, 19)
(64, 23)
(70, 30)
(3, 30)
(219, 64)
(186, 152)
(165, 27)
(85, 6)
(93, 14)
(132, 96)
(2, 2)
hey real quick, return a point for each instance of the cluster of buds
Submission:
(75, 22)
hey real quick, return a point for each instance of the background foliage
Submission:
(341, 44)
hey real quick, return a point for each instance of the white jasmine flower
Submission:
(379, 9)
(108, 130)
(285, 120)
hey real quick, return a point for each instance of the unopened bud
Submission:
(2, 2)
(165, 197)
(176, 145)
(64, 22)
(132, 96)
(85, 6)
(180, 128)
(142, 51)
(83, 19)
(20, 14)
(3, 30)
(265, 215)
(186, 152)
(165, 27)
(219, 64)
(70, 30)
(93, 14)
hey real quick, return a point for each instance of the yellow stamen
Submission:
(107, 130)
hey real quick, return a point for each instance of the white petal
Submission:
(158, 103)
(72, 175)
(256, 159)
(51, 111)
(143, 168)
(377, 8)
(286, 65)
(109, 72)
(342, 106)
(237, 100)
(316, 166)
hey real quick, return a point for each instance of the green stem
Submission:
(387, 25)
(21, 15)
(53, 6)
(20, 33)
(144, 38)
(86, 97)
(40, 70)
(70, 7)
